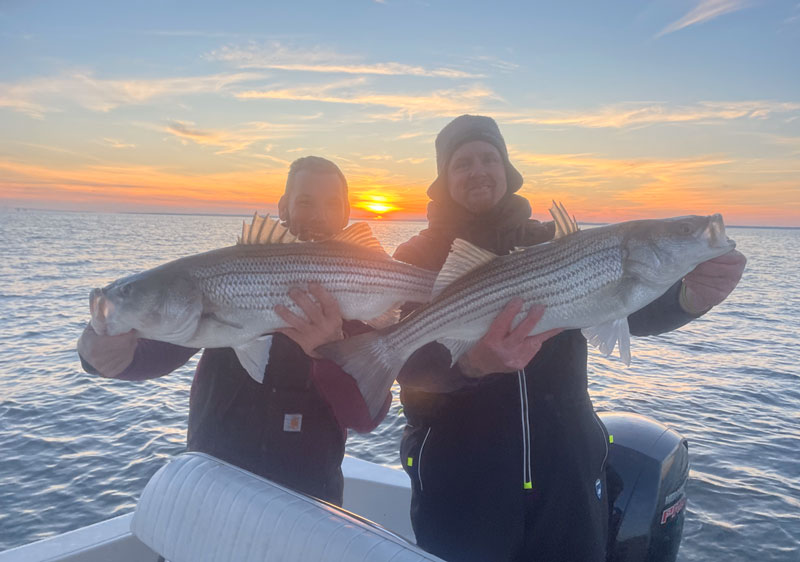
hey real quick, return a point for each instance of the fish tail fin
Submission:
(370, 360)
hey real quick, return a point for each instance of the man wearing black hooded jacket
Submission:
(504, 450)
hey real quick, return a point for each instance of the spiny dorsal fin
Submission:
(463, 258)
(265, 230)
(564, 223)
(361, 234)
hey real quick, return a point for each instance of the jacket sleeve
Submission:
(341, 391)
(342, 394)
(428, 370)
(151, 359)
(662, 315)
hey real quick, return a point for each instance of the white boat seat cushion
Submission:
(198, 508)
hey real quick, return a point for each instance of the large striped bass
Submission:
(227, 297)
(588, 279)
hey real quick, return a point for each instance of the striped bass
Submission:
(227, 297)
(587, 279)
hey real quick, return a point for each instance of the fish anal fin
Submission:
(254, 356)
(564, 223)
(265, 230)
(361, 234)
(463, 258)
(606, 336)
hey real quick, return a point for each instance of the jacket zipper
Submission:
(419, 462)
(527, 471)
(605, 439)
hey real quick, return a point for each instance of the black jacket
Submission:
(511, 466)
(249, 424)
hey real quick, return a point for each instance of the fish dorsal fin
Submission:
(564, 223)
(463, 258)
(265, 230)
(361, 234)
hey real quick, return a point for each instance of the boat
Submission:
(198, 508)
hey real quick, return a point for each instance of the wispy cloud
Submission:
(235, 140)
(706, 10)
(436, 103)
(637, 114)
(118, 144)
(281, 57)
(42, 95)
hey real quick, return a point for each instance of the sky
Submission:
(620, 109)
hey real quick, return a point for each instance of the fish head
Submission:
(157, 304)
(660, 252)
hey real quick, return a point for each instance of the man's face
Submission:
(316, 206)
(476, 176)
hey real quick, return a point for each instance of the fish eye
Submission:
(685, 228)
(125, 290)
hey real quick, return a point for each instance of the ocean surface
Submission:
(76, 449)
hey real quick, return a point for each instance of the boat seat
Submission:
(198, 508)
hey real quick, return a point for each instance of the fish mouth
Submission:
(100, 308)
(715, 233)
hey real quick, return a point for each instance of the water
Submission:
(78, 449)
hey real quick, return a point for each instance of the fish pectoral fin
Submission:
(215, 318)
(463, 258)
(254, 356)
(606, 336)
(388, 318)
(457, 348)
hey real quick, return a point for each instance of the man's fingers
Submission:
(330, 306)
(291, 318)
(311, 309)
(525, 327)
(502, 323)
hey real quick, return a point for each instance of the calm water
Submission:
(76, 449)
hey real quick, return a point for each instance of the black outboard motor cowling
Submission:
(648, 466)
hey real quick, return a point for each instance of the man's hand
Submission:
(503, 350)
(110, 355)
(323, 322)
(711, 282)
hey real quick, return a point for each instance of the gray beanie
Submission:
(462, 130)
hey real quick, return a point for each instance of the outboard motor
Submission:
(648, 466)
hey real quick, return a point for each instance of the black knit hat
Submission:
(462, 130)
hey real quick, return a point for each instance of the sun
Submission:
(378, 204)
(378, 208)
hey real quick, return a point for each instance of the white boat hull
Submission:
(378, 493)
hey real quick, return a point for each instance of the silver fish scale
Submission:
(262, 279)
(558, 275)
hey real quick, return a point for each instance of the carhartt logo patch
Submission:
(292, 422)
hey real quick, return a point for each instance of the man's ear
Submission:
(283, 209)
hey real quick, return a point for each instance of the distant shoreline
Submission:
(235, 215)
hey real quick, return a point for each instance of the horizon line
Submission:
(377, 218)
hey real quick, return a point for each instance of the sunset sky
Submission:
(620, 109)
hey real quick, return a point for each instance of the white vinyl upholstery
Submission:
(198, 508)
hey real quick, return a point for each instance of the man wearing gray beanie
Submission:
(505, 463)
